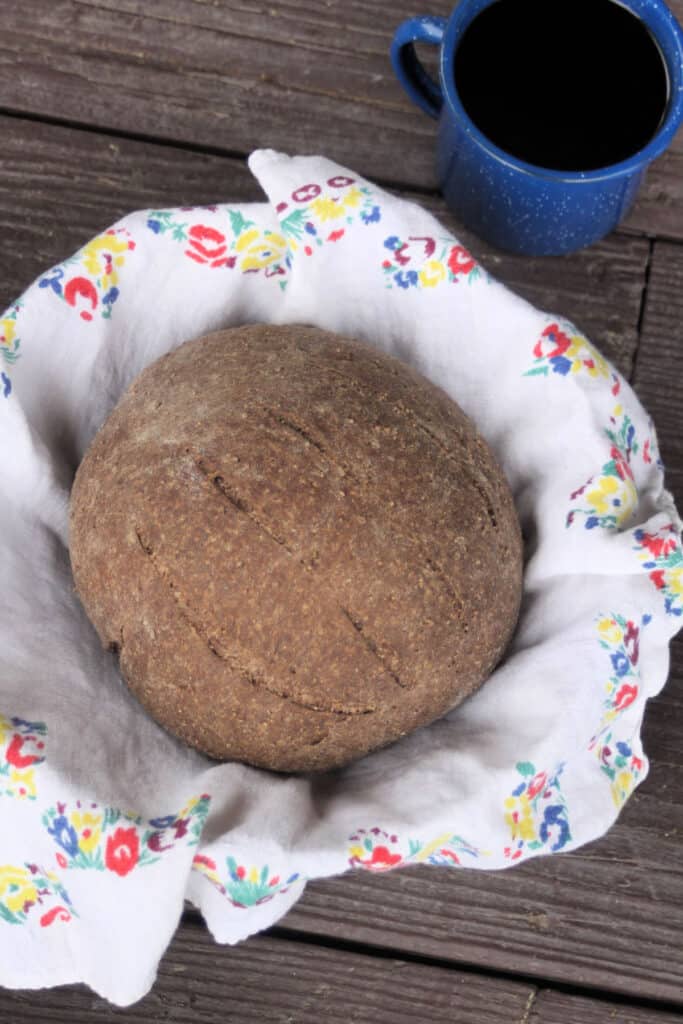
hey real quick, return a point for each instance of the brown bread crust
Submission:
(301, 548)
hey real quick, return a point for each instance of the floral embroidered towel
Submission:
(109, 823)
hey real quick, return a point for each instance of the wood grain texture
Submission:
(657, 375)
(61, 186)
(275, 981)
(238, 74)
(658, 210)
(561, 1008)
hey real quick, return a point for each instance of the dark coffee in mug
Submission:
(570, 85)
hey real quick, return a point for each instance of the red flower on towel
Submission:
(552, 336)
(460, 261)
(123, 849)
(16, 754)
(382, 859)
(207, 245)
(659, 547)
(625, 695)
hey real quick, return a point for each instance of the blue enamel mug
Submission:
(510, 203)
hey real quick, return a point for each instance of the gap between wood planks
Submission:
(192, 918)
(641, 312)
(203, 149)
(199, 149)
(537, 983)
(298, 75)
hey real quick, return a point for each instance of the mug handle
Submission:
(417, 82)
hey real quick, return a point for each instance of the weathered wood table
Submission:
(112, 105)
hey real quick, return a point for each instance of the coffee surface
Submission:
(565, 84)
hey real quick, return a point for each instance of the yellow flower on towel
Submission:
(432, 273)
(519, 817)
(260, 249)
(5, 728)
(622, 785)
(613, 496)
(586, 359)
(607, 487)
(674, 580)
(610, 631)
(16, 888)
(188, 808)
(7, 331)
(88, 828)
(22, 784)
(332, 207)
(102, 255)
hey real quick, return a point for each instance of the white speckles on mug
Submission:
(510, 203)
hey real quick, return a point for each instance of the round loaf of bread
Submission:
(300, 548)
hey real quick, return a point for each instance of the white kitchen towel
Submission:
(108, 822)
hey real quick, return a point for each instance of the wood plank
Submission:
(551, 1007)
(230, 74)
(657, 375)
(267, 980)
(60, 186)
(658, 210)
(237, 75)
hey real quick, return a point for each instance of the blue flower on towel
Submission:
(371, 216)
(406, 278)
(65, 834)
